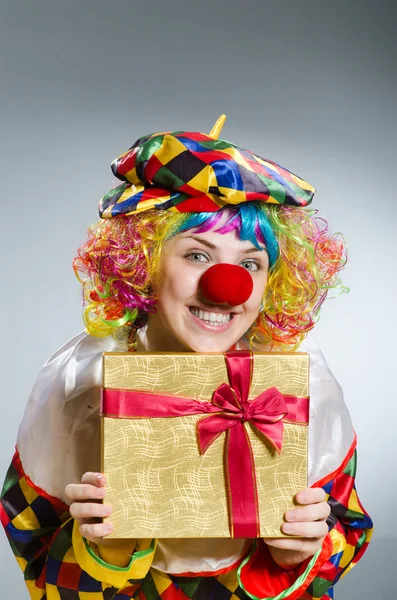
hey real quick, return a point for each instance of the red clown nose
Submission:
(224, 283)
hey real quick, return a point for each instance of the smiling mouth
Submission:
(214, 319)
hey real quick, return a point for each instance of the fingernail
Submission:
(289, 516)
(108, 527)
(287, 528)
(301, 497)
(107, 509)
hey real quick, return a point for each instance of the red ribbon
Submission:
(266, 412)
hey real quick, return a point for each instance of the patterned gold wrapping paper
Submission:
(158, 483)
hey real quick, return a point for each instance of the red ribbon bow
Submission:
(265, 412)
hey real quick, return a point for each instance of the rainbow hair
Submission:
(122, 257)
(250, 224)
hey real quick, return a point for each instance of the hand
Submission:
(86, 508)
(309, 522)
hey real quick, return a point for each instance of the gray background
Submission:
(309, 84)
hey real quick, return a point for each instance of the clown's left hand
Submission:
(308, 521)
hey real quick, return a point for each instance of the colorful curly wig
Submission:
(122, 257)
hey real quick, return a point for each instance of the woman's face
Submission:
(185, 319)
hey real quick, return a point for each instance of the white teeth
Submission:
(211, 317)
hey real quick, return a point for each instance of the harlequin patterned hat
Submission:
(195, 172)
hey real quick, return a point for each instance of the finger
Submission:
(96, 530)
(294, 544)
(89, 510)
(97, 479)
(311, 496)
(80, 491)
(316, 529)
(312, 512)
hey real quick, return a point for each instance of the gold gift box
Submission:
(159, 485)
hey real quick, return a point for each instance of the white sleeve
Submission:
(59, 436)
(331, 433)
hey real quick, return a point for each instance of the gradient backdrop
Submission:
(310, 84)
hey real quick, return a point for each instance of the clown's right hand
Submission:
(87, 509)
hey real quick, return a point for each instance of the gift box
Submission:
(203, 445)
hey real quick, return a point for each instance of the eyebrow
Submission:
(213, 247)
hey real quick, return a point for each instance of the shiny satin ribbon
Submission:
(230, 410)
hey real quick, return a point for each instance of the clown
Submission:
(204, 247)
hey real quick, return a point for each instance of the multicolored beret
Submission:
(195, 172)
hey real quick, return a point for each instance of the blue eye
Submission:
(197, 257)
(250, 265)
